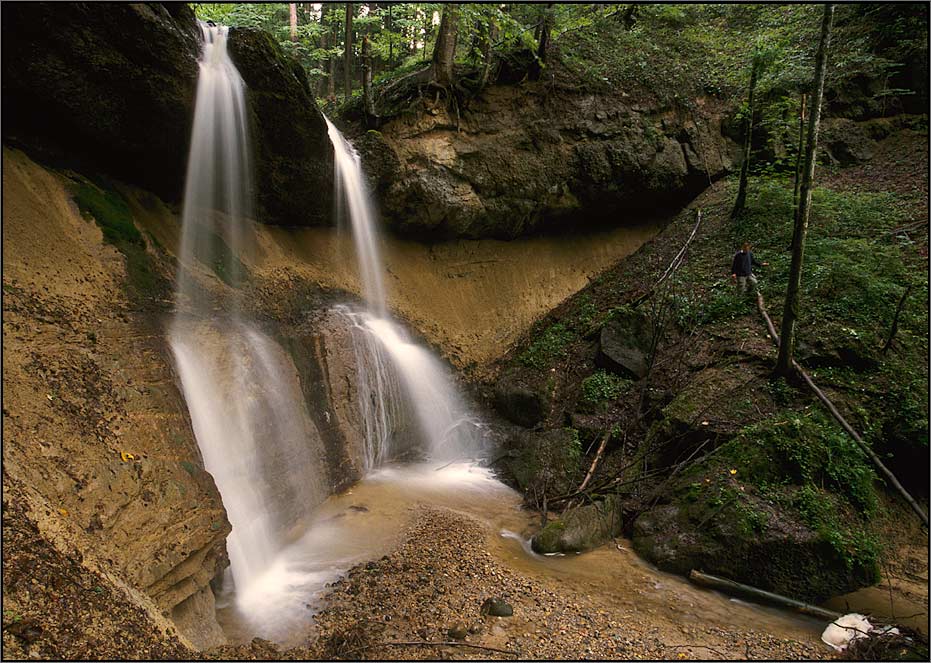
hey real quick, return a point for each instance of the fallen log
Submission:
(840, 419)
(731, 587)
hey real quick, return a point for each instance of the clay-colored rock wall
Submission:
(86, 379)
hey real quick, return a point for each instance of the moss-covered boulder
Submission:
(294, 158)
(782, 506)
(544, 463)
(581, 529)
(625, 342)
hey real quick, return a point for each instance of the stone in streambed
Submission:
(496, 607)
(458, 631)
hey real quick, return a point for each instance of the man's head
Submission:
(745, 247)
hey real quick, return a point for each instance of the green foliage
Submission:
(602, 386)
(858, 548)
(110, 211)
(807, 449)
(549, 346)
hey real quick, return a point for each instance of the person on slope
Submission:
(742, 268)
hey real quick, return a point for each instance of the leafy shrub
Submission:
(550, 345)
(602, 386)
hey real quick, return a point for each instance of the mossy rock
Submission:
(580, 529)
(544, 461)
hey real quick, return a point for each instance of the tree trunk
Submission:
(798, 156)
(491, 34)
(444, 51)
(790, 311)
(347, 54)
(390, 39)
(543, 37)
(292, 10)
(367, 101)
(748, 139)
(630, 16)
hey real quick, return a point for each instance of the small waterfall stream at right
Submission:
(393, 371)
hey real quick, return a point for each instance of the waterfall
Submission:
(241, 388)
(394, 373)
(350, 187)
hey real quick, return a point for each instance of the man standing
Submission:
(742, 268)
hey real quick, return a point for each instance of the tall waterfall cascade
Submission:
(241, 388)
(394, 372)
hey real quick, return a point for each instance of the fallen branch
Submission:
(591, 470)
(673, 266)
(425, 643)
(711, 649)
(725, 585)
(840, 419)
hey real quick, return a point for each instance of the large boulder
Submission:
(107, 87)
(520, 402)
(624, 344)
(294, 158)
(747, 540)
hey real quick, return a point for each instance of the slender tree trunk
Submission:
(347, 54)
(790, 311)
(748, 139)
(368, 102)
(292, 10)
(543, 41)
(798, 156)
(630, 16)
(390, 39)
(427, 29)
(444, 51)
(491, 34)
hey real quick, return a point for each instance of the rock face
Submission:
(112, 89)
(294, 162)
(522, 158)
(93, 423)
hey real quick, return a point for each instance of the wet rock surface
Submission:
(580, 529)
(294, 176)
